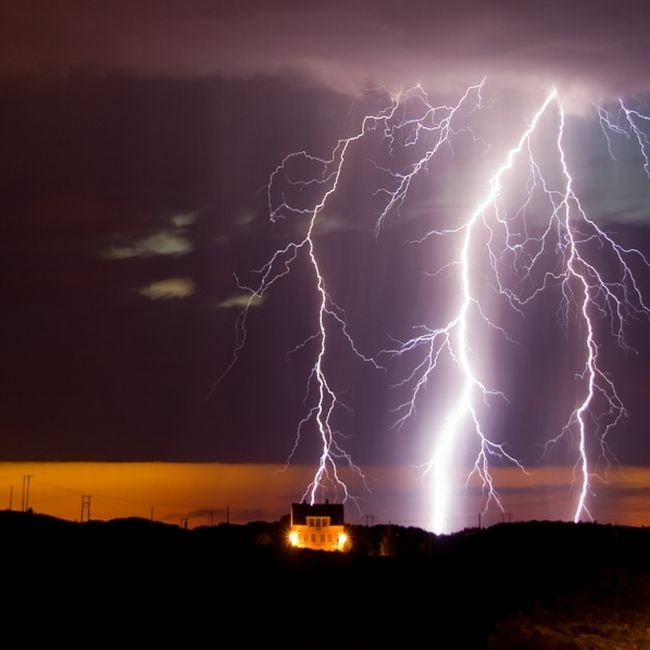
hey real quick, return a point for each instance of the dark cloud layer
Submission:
(582, 45)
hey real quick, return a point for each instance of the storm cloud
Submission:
(585, 47)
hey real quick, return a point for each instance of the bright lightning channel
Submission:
(455, 337)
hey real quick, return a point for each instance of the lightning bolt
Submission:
(326, 401)
(571, 233)
(455, 336)
(614, 300)
(407, 119)
(512, 241)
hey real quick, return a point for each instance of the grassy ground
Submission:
(593, 630)
(591, 619)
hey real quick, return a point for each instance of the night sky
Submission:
(137, 141)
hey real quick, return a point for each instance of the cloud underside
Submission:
(160, 243)
(583, 45)
(169, 288)
(241, 301)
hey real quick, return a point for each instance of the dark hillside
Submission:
(529, 585)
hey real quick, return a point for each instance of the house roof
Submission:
(300, 512)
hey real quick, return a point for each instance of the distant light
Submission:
(293, 538)
(343, 538)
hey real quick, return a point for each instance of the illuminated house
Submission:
(320, 526)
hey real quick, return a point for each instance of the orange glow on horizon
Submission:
(207, 493)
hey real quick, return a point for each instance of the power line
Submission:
(127, 499)
(27, 478)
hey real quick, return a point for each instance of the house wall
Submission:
(324, 538)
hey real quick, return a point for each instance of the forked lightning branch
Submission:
(561, 255)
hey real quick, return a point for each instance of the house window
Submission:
(318, 522)
(322, 539)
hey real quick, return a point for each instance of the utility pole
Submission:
(85, 507)
(227, 514)
(11, 497)
(27, 478)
